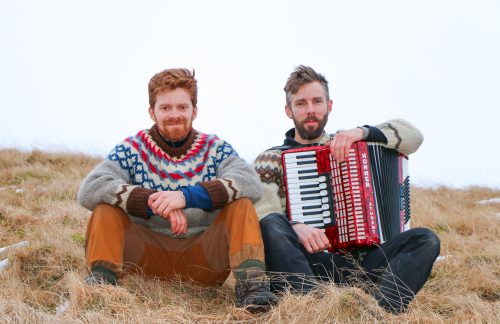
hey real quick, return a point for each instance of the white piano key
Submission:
(299, 175)
(300, 203)
(301, 170)
(308, 219)
(297, 180)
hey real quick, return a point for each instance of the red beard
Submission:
(175, 130)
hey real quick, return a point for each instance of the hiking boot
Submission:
(252, 291)
(101, 276)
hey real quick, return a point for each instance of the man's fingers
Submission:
(152, 198)
(326, 241)
(167, 210)
(339, 149)
(314, 244)
(347, 148)
(164, 205)
(184, 222)
(307, 246)
(174, 223)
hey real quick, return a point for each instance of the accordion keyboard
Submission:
(309, 192)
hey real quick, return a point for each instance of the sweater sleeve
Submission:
(197, 197)
(109, 183)
(401, 136)
(270, 170)
(235, 179)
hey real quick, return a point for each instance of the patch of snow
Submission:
(62, 308)
(4, 264)
(16, 245)
(442, 258)
(20, 190)
(489, 201)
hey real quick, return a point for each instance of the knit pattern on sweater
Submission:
(150, 167)
(144, 164)
(401, 135)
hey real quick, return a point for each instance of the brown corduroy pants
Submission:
(113, 240)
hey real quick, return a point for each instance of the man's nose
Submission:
(174, 113)
(310, 108)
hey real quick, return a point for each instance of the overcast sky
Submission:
(74, 74)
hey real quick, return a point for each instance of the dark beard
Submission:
(311, 134)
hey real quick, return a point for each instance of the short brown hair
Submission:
(303, 75)
(171, 79)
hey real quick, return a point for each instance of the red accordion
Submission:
(361, 202)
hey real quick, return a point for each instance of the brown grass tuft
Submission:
(38, 204)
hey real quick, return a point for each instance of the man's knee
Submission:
(274, 223)
(428, 238)
(242, 202)
(108, 213)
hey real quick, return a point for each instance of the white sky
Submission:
(73, 74)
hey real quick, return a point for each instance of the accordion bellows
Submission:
(361, 202)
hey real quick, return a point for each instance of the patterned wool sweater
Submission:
(400, 135)
(145, 163)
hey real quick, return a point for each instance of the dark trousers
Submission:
(393, 272)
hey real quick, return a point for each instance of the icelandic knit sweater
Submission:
(396, 134)
(144, 164)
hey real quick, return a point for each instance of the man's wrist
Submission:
(182, 195)
(366, 132)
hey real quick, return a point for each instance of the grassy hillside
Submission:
(38, 205)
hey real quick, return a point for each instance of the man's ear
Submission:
(329, 106)
(288, 112)
(195, 113)
(151, 114)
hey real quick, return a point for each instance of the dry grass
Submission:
(37, 204)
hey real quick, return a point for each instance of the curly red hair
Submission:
(171, 79)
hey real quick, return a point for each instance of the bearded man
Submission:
(397, 269)
(173, 202)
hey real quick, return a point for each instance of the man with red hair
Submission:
(174, 202)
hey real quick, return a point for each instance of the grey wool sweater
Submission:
(144, 164)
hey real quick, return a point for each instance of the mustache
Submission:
(175, 120)
(311, 118)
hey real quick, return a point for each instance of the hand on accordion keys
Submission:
(313, 239)
(341, 143)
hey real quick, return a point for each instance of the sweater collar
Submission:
(173, 149)
(290, 139)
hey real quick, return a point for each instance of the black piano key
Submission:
(310, 198)
(308, 177)
(309, 192)
(320, 213)
(305, 162)
(313, 222)
(312, 185)
(306, 171)
(311, 207)
(305, 156)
